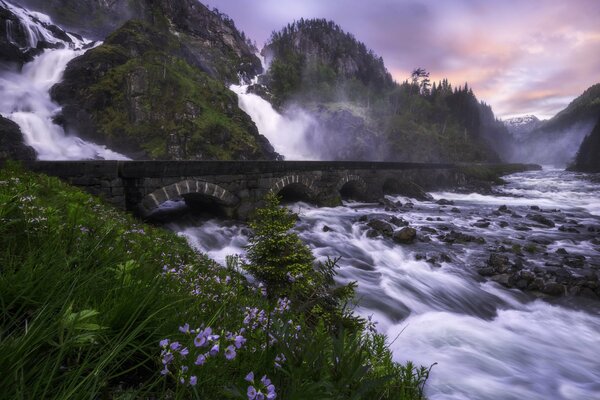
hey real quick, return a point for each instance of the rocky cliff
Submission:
(142, 94)
(588, 156)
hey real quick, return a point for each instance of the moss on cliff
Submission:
(138, 94)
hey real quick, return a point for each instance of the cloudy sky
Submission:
(520, 56)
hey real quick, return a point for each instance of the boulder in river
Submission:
(405, 235)
(540, 219)
(381, 227)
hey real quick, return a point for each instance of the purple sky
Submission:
(520, 56)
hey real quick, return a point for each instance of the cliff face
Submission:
(141, 94)
(588, 156)
(211, 39)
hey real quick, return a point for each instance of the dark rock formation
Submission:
(588, 156)
(11, 142)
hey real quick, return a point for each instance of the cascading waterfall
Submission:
(25, 98)
(489, 342)
(290, 133)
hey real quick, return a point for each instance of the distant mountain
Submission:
(557, 140)
(520, 126)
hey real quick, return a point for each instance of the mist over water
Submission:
(557, 149)
(490, 342)
(25, 97)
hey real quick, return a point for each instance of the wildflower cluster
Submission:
(179, 361)
(261, 390)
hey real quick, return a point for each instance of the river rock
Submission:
(381, 227)
(428, 229)
(398, 221)
(458, 237)
(554, 289)
(499, 263)
(504, 209)
(540, 219)
(405, 235)
(326, 228)
(574, 261)
(444, 202)
(482, 224)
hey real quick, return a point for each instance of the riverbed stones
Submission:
(381, 227)
(541, 219)
(459, 237)
(444, 202)
(405, 235)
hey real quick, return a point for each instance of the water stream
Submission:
(490, 342)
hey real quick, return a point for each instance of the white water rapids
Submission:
(489, 342)
(25, 98)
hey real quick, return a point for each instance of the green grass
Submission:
(87, 293)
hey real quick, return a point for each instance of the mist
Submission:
(553, 148)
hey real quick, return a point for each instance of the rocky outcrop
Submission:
(11, 142)
(141, 94)
(210, 39)
(588, 156)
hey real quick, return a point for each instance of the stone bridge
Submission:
(237, 187)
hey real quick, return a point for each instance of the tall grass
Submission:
(87, 293)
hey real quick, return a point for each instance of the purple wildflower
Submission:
(265, 381)
(175, 346)
(200, 360)
(164, 343)
(167, 358)
(214, 350)
(200, 340)
(260, 395)
(251, 393)
(239, 341)
(194, 380)
(230, 352)
(185, 328)
(184, 352)
(250, 377)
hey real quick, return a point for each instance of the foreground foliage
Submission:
(97, 305)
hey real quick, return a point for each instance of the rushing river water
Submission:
(490, 342)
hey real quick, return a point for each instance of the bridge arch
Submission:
(295, 188)
(391, 186)
(351, 186)
(188, 189)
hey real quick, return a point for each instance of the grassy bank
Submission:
(95, 304)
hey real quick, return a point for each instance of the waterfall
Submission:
(292, 134)
(25, 97)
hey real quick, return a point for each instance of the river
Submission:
(489, 341)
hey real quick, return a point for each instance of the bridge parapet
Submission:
(240, 186)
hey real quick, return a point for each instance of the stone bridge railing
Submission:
(239, 186)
